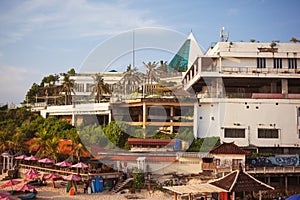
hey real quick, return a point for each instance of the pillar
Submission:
(171, 118)
(273, 87)
(144, 118)
(3, 169)
(175, 196)
(284, 87)
(260, 196)
(286, 184)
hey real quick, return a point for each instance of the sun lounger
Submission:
(29, 196)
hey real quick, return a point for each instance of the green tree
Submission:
(71, 72)
(99, 88)
(114, 132)
(138, 179)
(294, 40)
(33, 92)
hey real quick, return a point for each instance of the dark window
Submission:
(261, 63)
(268, 133)
(292, 63)
(234, 133)
(277, 63)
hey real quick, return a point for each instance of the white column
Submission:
(3, 163)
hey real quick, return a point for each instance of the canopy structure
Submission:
(195, 188)
(46, 161)
(63, 164)
(240, 181)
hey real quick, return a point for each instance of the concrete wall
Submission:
(250, 114)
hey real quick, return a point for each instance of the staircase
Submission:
(122, 185)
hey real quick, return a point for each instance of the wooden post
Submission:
(144, 119)
(260, 196)
(171, 118)
(286, 184)
(175, 196)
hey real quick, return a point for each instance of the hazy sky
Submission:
(39, 38)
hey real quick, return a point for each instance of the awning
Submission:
(195, 188)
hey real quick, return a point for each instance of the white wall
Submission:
(233, 113)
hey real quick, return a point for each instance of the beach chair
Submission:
(29, 196)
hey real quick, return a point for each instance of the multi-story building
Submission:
(248, 93)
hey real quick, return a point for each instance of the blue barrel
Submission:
(177, 145)
(101, 184)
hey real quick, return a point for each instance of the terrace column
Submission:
(3, 168)
(284, 87)
(171, 118)
(144, 118)
(273, 87)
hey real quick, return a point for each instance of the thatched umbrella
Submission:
(240, 181)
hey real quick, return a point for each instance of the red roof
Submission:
(150, 141)
(228, 148)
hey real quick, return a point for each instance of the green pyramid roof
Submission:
(186, 55)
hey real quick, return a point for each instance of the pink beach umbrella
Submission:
(63, 164)
(32, 171)
(25, 187)
(46, 161)
(31, 176)
(31, 158)
(6, 198)
(52, 176)
(21, 157)
(72, 177)
(4, 194)
(10, 183)
(80, 165)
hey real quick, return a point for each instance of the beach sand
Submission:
(59, 193)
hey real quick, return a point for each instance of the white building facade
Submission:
(248, 93)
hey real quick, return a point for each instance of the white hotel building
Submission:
(248, 93)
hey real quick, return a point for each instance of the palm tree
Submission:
(68, 88)
(131, 79)
(46, 145)
(77, 147)
(152, 73)
(99, 88)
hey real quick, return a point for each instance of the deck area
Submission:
(65, 172)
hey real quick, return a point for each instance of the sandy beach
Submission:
(59, 193)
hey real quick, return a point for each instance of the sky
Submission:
(39, 38)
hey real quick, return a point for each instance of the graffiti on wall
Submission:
(279, 160)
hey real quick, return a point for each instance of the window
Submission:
(277, 63)
(261, 63)
(292, 63)
(218, 162)
(234, 133)
(79, 87)
(89, 87)
(268, 133)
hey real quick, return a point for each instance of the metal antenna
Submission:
(133, 50)
(221, 34)
(226, 36)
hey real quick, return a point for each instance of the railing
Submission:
(65, 172)
(274, 170)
